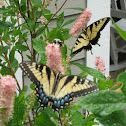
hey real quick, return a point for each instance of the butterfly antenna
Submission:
(98, 44)
(91, 52)
(33, 113)
(38, 109)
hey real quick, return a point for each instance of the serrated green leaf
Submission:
(91, 71)
(39, 46)
(69, 22)
(117, 118)
(103, 102)
(119, 30)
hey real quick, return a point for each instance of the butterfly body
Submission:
(54, 88)
(89, 36)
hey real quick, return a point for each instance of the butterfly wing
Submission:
(89, 36)
(93, 30)
(43, 77)
(81, 43)
(70, 86)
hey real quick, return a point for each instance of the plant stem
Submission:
(52, 17)
(21, 52)
(10, 66)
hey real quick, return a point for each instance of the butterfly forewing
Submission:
(40, 73)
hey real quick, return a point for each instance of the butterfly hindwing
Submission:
(89, 36)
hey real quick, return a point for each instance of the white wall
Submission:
(100, 9)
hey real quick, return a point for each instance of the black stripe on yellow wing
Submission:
(89, 36)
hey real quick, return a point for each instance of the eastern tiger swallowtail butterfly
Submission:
(58, 42)
(89, 36)
(55, 88)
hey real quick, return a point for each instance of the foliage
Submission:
(18, 22)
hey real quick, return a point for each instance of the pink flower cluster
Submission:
(7, 96)
(100, 65)
(44, 20)
(54, 58)
(80, 23)
(46, 3)
(2, 3)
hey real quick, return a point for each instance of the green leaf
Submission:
(90, 121)
(103, 102)
(43, 120)
(31, 23)
(69, 22)
(91, 71)
(83, 74)
(32, 86)
(21, 47)
(117, 118)
(122, 78)
(119, 30)
(14, 65)
(29, 57)
(3, 108)
(5, 49)
(105, 84)
(4, 26)
(5, 70)
(11, 55)
(65, 33)
(60, 19)
(77, 119)
(39, 46)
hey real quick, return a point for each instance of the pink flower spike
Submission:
(54, 58)
(80, 23)
(100, 65)
(7, 96)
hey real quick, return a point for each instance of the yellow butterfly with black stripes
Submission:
(89, 36)
(54, 88)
